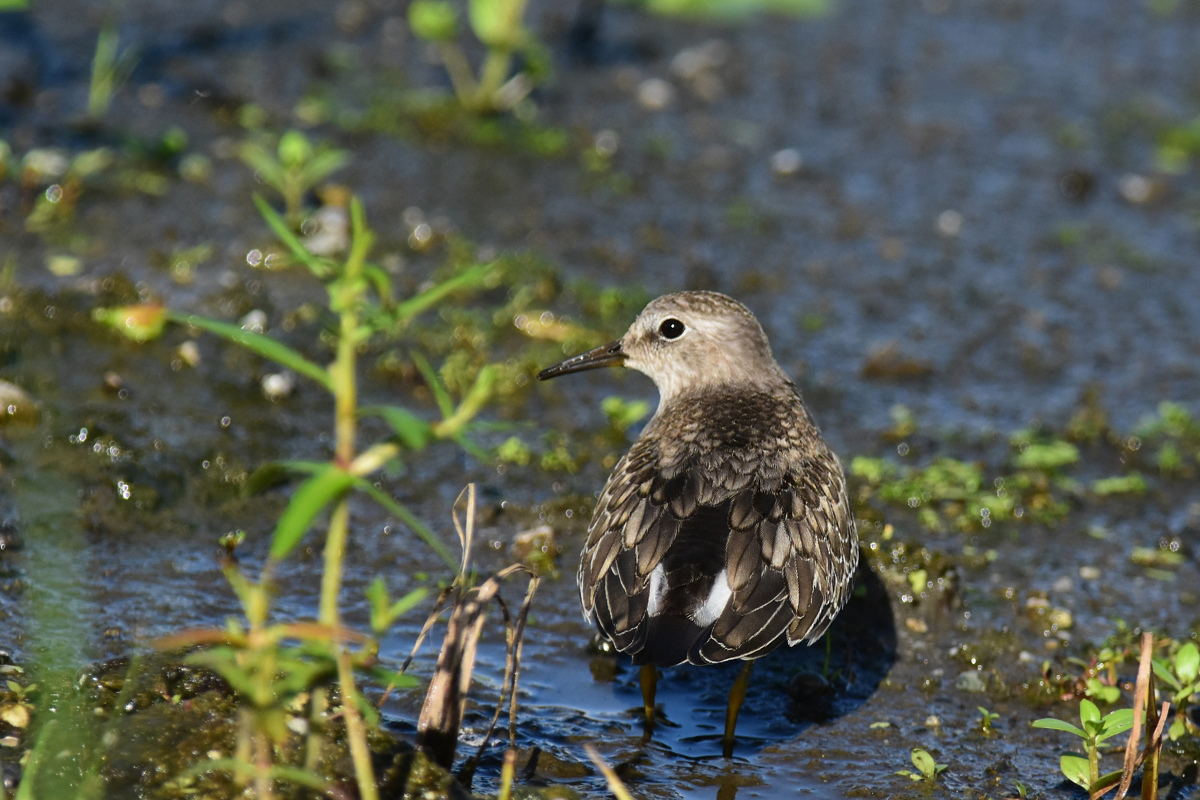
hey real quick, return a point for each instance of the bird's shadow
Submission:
(790, 690)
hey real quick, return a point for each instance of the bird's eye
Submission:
(671, 328)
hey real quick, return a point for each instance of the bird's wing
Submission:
(783, 539)
(790, 558)
(634, 525)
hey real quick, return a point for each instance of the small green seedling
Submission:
(294, 168)
(986, 718)
(1101, 691)
(499, 25)
(1183, 677)
(927, 768)
(1085, 771)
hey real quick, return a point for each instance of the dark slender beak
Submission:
(608, 355)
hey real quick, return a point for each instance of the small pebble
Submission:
(1061, 618)
(606, 143)
(691, 62)
(327, 232)
(64, 266)
(1090, 573)
(15, 714)
(16, 404)
(786, 162)
(932, 721)
(1138, 190)
(950, 223)
(278, 385)
(255, 321)
(655, 94)
(971, 681)
(189, 353)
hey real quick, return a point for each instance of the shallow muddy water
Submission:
(977, 230)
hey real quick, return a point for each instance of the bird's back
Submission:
(724, 531)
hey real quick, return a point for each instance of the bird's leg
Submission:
(648, 678)
(737, 696)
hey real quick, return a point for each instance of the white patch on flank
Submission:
(715, 604)
(658, 590)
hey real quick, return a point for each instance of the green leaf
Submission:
(223, 661)
(268, 476)
(294, 149)
(1075, 768)
(264, 163)
(433, 20)
(471, 405)
(445, 404)
(383, 611)
(1132, 483)
(1048, 456)
(310, 498)
(320, 267)
(140, 323)
(1164, 674)
(397, 680)
(322, 165)
(476, 277)
(1115, 723)
(1050, 723)
(264, 346)
(924, 762)
(497, 23)
(1187, 662)
(413, 432)
(1088, 712)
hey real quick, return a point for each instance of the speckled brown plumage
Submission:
(726, 529)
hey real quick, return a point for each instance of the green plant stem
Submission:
(460, 72)
(345, 390)
(356, 733)
(335, 553)
(316, 713)
(103, 71)
(262, 766)
(491, 78)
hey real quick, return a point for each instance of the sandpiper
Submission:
(726, 529)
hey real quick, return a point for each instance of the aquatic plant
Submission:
(1174, 436)
(927, 768)
(110, 67)
(986, 720)
(1177, 145)
(499, 26)
(1182, 674)
(1084, 770)
(257, 658)
(293, 168)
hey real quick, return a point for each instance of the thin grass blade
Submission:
(264, 346)
(310, 499)
(319, 267)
